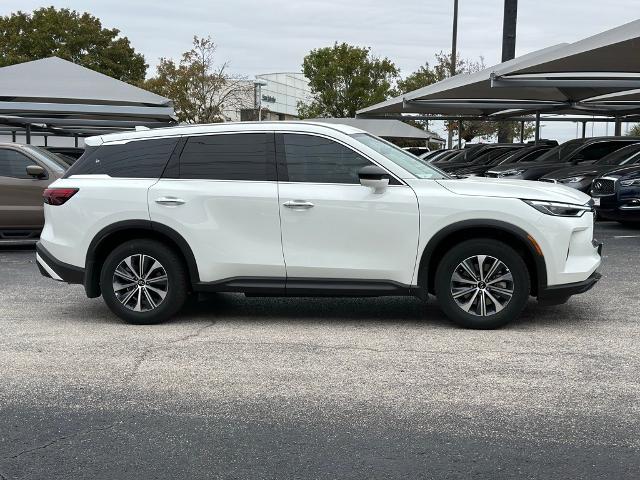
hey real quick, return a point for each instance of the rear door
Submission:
(335, 228)
(21, 204)
(223, 199)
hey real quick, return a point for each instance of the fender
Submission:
(485, 224)
(92, 274)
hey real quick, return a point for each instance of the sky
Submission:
(267, 36)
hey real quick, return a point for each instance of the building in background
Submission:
(278, 97)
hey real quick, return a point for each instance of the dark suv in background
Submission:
(25, 171)
(616, 195)
(580, 177)
(582, 151)
(528, 153)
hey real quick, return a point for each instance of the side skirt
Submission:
(309, 287)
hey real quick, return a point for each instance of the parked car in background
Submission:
(581, 176)
(581, 151)
(530, 152)
(73, 153)
(25, 172)
(487, 157)
(305, 209)
(432, 154)
(443, 154)
(466, 156)
(617, 195)
(417, 151)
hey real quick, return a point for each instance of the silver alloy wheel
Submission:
(482, 285)
(140, 283)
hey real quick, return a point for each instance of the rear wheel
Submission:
(143, 282)
(482, 284)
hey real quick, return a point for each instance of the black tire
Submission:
(495, 317)
(175, 284)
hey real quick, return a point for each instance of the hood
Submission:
(504, 188)
(585, 170)
(631, 171)
(524, 165)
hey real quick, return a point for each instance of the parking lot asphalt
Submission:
(319, 388)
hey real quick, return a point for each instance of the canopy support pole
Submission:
(460, 127)
(28, 133)
(521, 132)
(584, 129)
(13, 136)
(618, 127)
(537, 127)
(45, 141)
(75, 138)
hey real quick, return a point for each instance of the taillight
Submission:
(58, 196)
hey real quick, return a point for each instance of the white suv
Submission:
(302, 209)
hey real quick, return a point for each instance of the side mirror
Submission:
(577, 159)
(374, 177)
(35, 171)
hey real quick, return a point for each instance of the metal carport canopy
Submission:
(386, 128)
(52, 89)
(545, 80)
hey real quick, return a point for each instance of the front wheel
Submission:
(143, 282)
(482, 284)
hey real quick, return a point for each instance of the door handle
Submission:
(170, 201)
(298, 204)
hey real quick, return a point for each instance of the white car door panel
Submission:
(232, 227)
(349, 232)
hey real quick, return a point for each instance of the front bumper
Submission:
(557, 294)
(50, 267)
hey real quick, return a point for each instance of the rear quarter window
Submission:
(136, 159)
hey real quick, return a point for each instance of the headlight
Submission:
(571, 180)
(628, 183)
(512, 172)
(559, 209)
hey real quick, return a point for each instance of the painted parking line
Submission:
(627, 236)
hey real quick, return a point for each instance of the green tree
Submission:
(427, 75)
(634, 131)
(67, 34)
(201, 90)
(343, 79)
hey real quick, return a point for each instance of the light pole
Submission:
(258, 84)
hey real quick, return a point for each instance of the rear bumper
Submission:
(50, 267)
(557, 294)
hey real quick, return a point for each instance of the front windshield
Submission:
(560, 153)
(50, 159)
(621, 157)
(410, 163)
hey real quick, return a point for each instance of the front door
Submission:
(335, 228)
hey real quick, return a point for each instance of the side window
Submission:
(596, 151)
(231, 156)
(320, 160)
(135, 159)
(14, 164)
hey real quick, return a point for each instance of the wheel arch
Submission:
(510, 234)
(117, 233)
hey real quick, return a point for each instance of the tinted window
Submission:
(239, 156)
(136, 159)
(320, 160)
(560, 153)
(14, 164)
(596, 151)
(626, 155)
